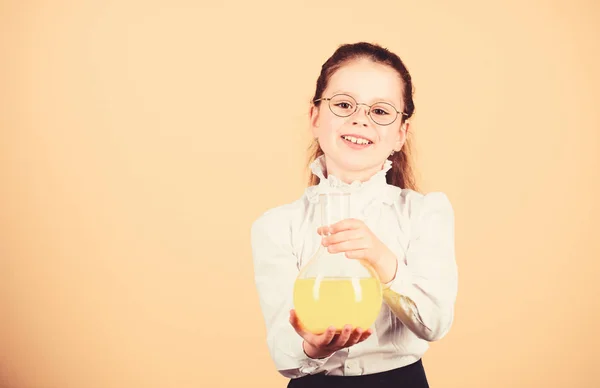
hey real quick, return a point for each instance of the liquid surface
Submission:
(337, 302)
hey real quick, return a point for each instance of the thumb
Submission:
(296, 324)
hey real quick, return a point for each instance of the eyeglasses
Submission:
(343, 105)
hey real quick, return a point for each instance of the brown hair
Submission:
(401, 173)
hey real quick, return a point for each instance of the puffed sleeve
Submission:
(275, 271)
(423, 292)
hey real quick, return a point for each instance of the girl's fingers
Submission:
(323, 340)
(355, 336)
(346, 246)
(365, 335)
(359, 254)
(346, 235)
(329, 339)
(341, 340)
(323, 231)
(296, 324)
(347, 224)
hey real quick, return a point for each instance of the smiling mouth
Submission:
(356, 140)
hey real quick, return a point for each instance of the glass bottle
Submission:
(331, 289)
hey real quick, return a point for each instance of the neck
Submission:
(351, 176)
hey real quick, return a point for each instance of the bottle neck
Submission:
(335, 207)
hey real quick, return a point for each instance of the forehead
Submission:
(367, 81)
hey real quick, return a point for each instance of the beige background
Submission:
(139, 140)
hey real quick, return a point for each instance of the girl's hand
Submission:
(324, 345)
(354, 237)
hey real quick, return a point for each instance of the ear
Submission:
(402, 133)
(314, 120)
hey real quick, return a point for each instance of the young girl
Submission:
(360, 121)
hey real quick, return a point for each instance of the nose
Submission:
(361, 116)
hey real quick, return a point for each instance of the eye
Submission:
(344, 105)
(380, 112)
(383, 109)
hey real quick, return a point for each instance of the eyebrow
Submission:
(378, 99)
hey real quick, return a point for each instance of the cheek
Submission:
(391, 135)
(330, 126)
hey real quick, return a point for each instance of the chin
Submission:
(360, 164)
(354, 161)
(356, 166)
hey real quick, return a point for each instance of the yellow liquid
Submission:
(337, 302)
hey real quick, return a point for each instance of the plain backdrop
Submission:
(140, 139)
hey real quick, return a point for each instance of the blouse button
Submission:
(352, 367)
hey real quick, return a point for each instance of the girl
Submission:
(359, 117)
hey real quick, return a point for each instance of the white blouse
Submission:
(418, 303)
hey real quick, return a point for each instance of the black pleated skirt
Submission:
(409, 376)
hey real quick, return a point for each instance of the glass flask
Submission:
(331, 289)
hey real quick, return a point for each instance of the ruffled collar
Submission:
(376, 187)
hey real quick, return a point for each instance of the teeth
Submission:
(356, 140)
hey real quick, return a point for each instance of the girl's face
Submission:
(368, 83)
